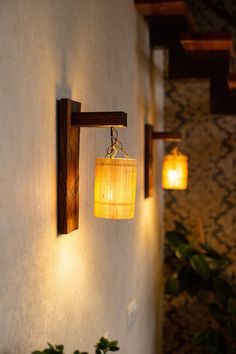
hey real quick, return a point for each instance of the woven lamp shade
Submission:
(175, 171)
(115, 188)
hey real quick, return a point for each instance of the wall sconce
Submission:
(150, 135)
(175, 170)
(71, 119)
(115, 183)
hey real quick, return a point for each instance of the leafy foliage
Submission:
(57, 349)
(199, 270)
(102, 347)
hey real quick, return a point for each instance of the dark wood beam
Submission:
(68, 167)
(232, 82)
(99, 119)
(167, 136)
(148, 163)
(162, 8)
(210, 42)
(70, 120)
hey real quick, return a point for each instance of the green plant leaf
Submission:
(215, 264)
(212, 339)
(172, 285)
(200, 266)
(210, 251)
(175, 238)
(188, 280)
(179, 244)
(181, 228)
(223, 290)
(103, 343)
(184, 251)
(113, 343)
(58, 349)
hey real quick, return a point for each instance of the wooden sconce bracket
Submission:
(70, 120)
(150, 135)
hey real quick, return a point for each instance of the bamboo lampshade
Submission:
(115, 188)
(175, 171)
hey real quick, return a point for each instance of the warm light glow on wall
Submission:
(175, 171)
(115, 188)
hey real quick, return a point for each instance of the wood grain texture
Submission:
(148, 168)
(168, 136)
(162, 8)
(68, 173)
(208, 42)
(232, 81)
(99, 119)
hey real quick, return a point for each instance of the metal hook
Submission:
(116, 145)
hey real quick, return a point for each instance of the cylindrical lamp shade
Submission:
(175, 171)
(115, 188)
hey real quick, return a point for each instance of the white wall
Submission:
(73, 289)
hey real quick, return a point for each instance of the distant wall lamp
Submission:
(175, 170)
(113, 176)
(175, 165)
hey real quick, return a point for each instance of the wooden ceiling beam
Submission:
(162, 8)
(232, 82)
(207, 42)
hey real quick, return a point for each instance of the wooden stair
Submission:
(192, 54)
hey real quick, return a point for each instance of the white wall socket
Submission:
(132, 312)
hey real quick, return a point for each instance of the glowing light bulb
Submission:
(175, 171)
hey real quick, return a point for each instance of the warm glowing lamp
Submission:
(115, 184)
(175, 171)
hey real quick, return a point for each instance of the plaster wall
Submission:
(72, 289)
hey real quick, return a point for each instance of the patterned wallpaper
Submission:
(207, 20)
(210, 142)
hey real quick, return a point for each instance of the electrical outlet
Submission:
(132, 312)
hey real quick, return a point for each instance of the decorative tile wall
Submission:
(210, 142)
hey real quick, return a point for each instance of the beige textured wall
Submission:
(73, 289)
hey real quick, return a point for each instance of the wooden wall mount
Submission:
(151, 135)
(70, 119)
(148, 167)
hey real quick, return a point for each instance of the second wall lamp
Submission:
(175, 165)
(113, 176)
